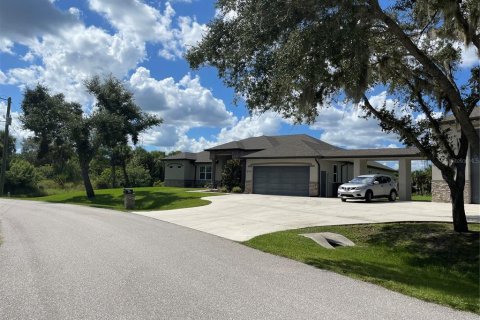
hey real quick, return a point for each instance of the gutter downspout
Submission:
(194, 175)
(341, 170)
(318, 177)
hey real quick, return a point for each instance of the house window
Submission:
(205, 172)
(335, 173)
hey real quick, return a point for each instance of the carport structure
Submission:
(360, 157)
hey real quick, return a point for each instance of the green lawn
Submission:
(418, 197)
(148, 198)
(424, 260)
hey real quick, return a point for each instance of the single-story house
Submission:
(304, 166)
(297, 165)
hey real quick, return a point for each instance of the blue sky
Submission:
(60, 43)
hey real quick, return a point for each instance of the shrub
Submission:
(104, 180)
(22, 173)
(138, 176)
(158, 183)
(237, 189)
(208, 185)
(45, 172)
(223, 190)
(232, 174)
(22, 177)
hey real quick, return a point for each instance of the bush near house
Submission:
(231, 174)
(237, 190)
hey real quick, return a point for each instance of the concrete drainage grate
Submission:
(329, 240)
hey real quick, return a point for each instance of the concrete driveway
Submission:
(241, 217)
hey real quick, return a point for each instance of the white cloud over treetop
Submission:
(179, 103)
(344, 126)
(171, 137)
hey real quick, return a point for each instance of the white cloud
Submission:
(470, 57)
(3, 77)
(137, 19)
(179, 103)
(254, 126)
(148, 24)
(76, 54)
(75, 12)
(169, 137)
(226, 16)
(343, 126)
(186, 104)
(190, 32)
(416, 164)
(6, 45)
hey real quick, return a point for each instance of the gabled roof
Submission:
(298, 145)
(182, 156)
(203, 156)
(253, 143)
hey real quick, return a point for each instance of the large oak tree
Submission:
(293, 56)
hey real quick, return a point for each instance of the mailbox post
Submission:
(129, 199)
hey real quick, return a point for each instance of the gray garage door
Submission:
(288, 181)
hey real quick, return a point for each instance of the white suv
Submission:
(368, 187)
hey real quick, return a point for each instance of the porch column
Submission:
(359, 167)
(405, 179)
(214, 169)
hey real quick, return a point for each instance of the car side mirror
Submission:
(376, 182)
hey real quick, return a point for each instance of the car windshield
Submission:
(362, 180)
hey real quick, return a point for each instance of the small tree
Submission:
(232, 174)
(117, 120)
(81, 133)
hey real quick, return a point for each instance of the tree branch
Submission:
(408, 135)
(434, 124)
(458, 107)
(468, 30)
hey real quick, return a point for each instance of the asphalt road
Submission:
(72, 262)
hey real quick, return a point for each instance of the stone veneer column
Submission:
(441, 192)
(313, 189)
(248, 186)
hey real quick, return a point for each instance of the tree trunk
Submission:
(125, 174)
(84, 166)
(456, 194)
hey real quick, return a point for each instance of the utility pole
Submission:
(8, 122)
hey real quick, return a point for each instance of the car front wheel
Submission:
(368, 196)
(344, 200)
(393, 196)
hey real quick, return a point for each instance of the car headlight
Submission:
(358, 188)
